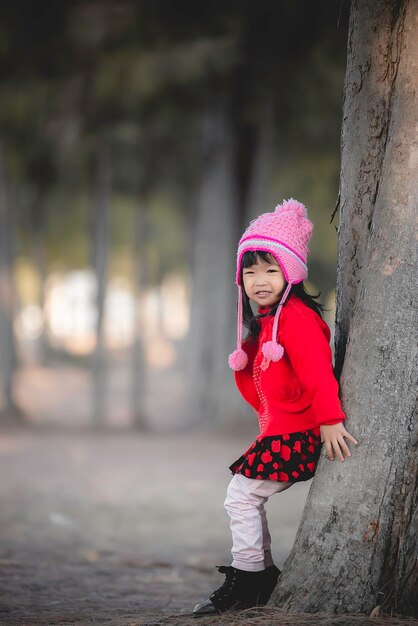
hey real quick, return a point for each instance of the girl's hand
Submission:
(333, 437)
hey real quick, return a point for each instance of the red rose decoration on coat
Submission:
(286, 437)
(266, 457)
(283, 476)
(274, 476)
(260, 467)
(296, 446)
(311, 466)
(276, 445)
(295, 474)
(285, 452)
(247, 473)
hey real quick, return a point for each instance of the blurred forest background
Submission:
(137, 139)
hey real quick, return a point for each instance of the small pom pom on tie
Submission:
(238, 360)
(272, 351)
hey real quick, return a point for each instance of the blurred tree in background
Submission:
(137, 138)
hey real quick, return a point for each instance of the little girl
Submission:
(283, 369)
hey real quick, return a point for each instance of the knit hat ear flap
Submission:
(272, 350)
(238, 359)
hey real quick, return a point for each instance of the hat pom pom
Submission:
(272, 351)
(292, 205)
(238, 360)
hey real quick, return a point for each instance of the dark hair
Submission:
(299, 290)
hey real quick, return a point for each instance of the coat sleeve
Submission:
(310, 355)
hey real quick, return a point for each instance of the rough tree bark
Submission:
(356, 546)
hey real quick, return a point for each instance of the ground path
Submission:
(109, 528)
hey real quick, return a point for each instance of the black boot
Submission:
(241, 590)
(271, 575)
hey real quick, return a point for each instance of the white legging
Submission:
(251, 541)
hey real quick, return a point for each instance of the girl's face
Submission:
(264, 281)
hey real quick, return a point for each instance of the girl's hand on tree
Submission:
(333, 437)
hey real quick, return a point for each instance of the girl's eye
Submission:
(248, 273)
(272, 271)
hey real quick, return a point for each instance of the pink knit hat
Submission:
(284, 233)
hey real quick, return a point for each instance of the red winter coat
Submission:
(299, 391)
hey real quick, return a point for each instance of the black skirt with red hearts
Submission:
(292, 457)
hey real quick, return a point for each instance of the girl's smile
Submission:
(264, 281)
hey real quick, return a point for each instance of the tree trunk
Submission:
(38, 223)
(212, 334)
(100, 244)
(356, 546)
(8, 357)
(138, 363)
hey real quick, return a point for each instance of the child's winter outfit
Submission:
(286, 375)
(292, 397)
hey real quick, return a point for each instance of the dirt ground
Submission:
(118, 528)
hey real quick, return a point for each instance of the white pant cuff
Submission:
(258, 566)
